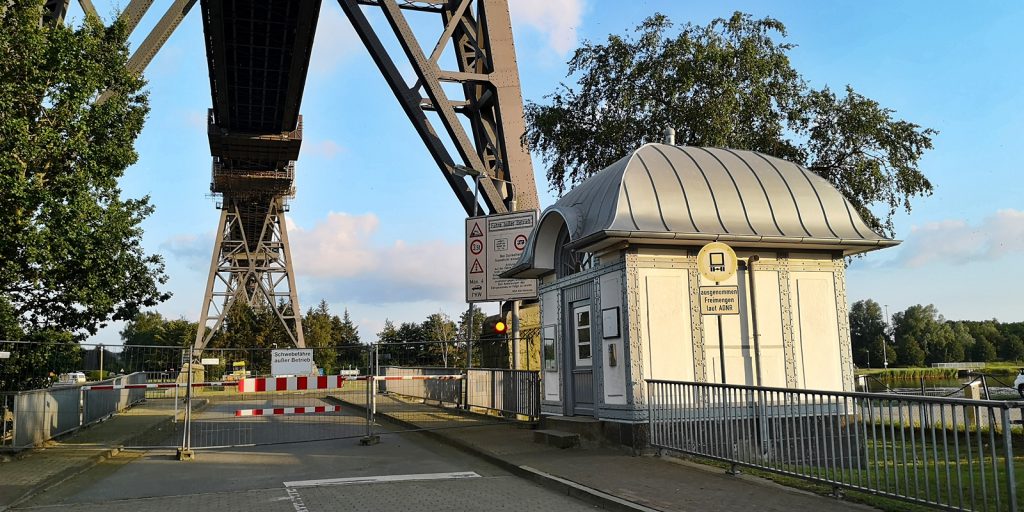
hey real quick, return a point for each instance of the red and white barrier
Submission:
(108, 387)
(421, 377)
(288, 410)
(258, 384)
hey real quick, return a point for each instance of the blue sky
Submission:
(375, 228)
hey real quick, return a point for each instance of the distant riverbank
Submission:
(1001, 370)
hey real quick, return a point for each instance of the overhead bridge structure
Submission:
(258, 55)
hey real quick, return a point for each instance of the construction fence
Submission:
(230, 397)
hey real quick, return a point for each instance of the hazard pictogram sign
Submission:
(494, 244)
(476, 268)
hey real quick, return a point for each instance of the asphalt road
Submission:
(403, 472)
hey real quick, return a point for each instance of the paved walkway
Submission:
(609, 477)
(32, 471)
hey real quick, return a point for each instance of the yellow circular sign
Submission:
(716, 262)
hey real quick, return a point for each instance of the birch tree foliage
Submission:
(726, 84)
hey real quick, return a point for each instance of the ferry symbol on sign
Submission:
(520, 242)
(476, 231)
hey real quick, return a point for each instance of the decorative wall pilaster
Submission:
(700, 370)
(637, 394)
(845, 346)
(788, 344)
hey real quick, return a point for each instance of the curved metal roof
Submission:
(662, 193)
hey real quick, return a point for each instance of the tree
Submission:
(71, 255)
(319, 336)
(727, 84)
(439, 327)
(983, 350)
(867, 325)
(1011, 348)
(478, 323)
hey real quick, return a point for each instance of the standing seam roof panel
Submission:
(751, 191)
(702, 199)
(730, 205)
(680, 215)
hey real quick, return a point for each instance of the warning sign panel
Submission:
(503, 238)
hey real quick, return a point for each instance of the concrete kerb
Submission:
(84, 464)
(578, 491)
(65, 475)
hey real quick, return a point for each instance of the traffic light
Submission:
(500, 327)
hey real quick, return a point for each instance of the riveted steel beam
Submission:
(159, 35)
(488, 82)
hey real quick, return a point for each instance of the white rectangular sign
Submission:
(295, 361)
(5, 355)
(719, 300)
(493, 245)
(209, 361)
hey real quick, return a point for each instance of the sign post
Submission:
(717, 262)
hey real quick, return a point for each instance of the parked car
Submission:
(1019, 383)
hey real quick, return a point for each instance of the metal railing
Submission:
(35, 416)
(509, 391)
(515, 392)
(951, 453)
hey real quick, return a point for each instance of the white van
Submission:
(72, 378)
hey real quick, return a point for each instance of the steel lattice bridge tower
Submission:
(258, 56)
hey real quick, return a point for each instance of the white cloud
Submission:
(334, 43)
(192, 249)
(556, 19)
(957, 242)
(327, 149)
(340, 260)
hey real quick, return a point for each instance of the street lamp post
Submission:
(885, 344)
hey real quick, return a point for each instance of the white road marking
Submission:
(296, 501)
(381, 479)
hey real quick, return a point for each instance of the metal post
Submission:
(185, 452)
(101, 361)
(753, 317)
(469, 338)
(175, 420)
(721, 348)
(515, 334)
(1011, 481)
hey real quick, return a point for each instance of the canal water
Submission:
(999, 387)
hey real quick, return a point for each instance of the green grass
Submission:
(904, 374)
(882, 468)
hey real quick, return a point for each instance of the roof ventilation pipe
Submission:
(670, 136)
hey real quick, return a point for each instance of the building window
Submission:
(550, 363)
(581, 326)
(568, 261)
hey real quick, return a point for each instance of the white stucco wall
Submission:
(550, 325)
(614, 377)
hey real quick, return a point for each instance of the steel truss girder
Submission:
(257, 272)
(486, 58)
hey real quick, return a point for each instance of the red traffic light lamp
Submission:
(500, 327)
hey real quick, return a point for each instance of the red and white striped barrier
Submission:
(107, 387)
(288, 410)
(421, 377)
(258, 384)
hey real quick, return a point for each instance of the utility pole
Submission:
(885, 344)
